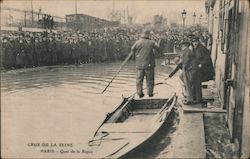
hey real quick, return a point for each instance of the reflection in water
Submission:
(63, 100)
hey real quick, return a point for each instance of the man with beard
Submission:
(205, 67)
(145, 62)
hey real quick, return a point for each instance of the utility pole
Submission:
(39, 12)
(128, 14)
(200, 19)
(25, 18)
(10, 18)
(75, 6)
(76, 17)
(194, 16)
(32, 12)
(113, 11)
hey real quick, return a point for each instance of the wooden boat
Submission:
(130, 126)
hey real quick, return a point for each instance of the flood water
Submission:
(59, 108)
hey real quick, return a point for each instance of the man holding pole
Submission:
(145, 62)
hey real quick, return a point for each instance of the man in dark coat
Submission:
(44, 51)
(190, 74)
(37, 53)
(20, 58)
(204, 59)
(58, 51)
(83, 50)
(145, 62)
(66, 52)
(7, 53)
(205, 67)
(74, 51)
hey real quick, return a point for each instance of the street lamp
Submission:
(39, 12)
(194, 16)
(200, 18)
(183, 14)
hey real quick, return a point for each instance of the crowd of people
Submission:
(31, 49)
(23, 49)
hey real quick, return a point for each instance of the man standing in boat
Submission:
(145, 62)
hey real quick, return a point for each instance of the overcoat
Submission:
(203, 57)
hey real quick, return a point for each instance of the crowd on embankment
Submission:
(24, 49)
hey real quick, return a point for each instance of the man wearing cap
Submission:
(145, 62)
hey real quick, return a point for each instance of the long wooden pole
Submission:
(122, 65)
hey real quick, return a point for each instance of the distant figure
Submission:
(145, 62)
(44, 21)
(20, 28)
(52, 23)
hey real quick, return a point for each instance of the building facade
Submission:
(229, 23)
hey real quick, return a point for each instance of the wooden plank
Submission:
(208, 98)
(196, 108)
(145, 111)
(189, 139)
(119, 112)
(203, 110)
(126, 127)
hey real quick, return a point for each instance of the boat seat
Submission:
(129, 127)
(145, 111)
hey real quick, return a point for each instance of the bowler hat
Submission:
(185, 42)
(5, 38)
(145, 34)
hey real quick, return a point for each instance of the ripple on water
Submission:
(64, 97)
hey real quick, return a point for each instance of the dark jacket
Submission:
(203, 57)
(143, 50)
(188, 59)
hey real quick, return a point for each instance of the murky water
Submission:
(63, 104)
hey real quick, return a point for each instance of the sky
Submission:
(144, 9)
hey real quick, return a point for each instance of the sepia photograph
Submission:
(127, 79)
